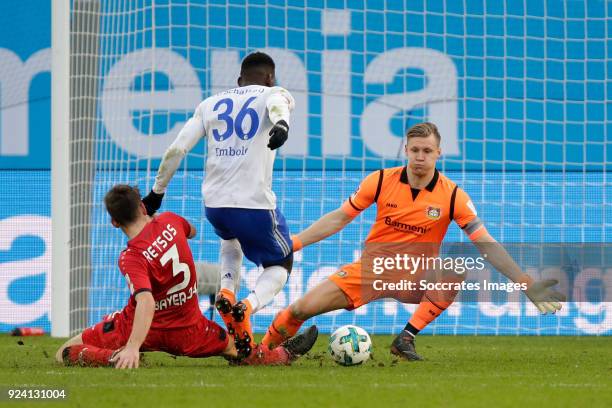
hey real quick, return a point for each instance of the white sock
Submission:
(269, 283)
(231, 261)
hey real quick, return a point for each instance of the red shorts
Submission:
(204, 339)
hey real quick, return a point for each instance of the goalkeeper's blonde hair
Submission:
(423, 129)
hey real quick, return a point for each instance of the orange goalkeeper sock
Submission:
(283, 327)
(426, 313)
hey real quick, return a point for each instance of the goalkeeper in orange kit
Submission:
(415, 205)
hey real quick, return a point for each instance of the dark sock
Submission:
(412, 330)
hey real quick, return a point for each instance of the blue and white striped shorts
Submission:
(263, 234)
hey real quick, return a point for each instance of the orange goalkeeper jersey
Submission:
(403, 225)
(402, 219)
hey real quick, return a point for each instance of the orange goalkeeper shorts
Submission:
(361, 288)
(348, 279)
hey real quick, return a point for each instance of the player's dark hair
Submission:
(256, 62)
(423, 129)
(123, 203)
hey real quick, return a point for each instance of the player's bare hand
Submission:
(544, 297)
(128, 357)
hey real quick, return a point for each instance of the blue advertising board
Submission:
(518, 90)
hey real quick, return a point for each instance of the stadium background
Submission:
(531, 132)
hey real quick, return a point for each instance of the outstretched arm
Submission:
(280, 103)
(334, 221)
(187, 138)
(324, 227)
(497, 255)
(129, 356)
(539, 293)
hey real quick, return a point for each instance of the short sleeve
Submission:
(364, 196)
(185, 224)
(177, 221)
(465, 212)
(135, 268)
(466, 217)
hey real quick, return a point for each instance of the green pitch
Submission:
(459, 371)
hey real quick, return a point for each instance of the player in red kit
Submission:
(163, 313)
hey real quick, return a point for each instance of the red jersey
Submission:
(159, 260)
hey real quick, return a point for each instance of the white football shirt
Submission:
(239, 163)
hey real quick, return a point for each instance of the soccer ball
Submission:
(350, 345)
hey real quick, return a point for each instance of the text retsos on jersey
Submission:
(160, 243)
